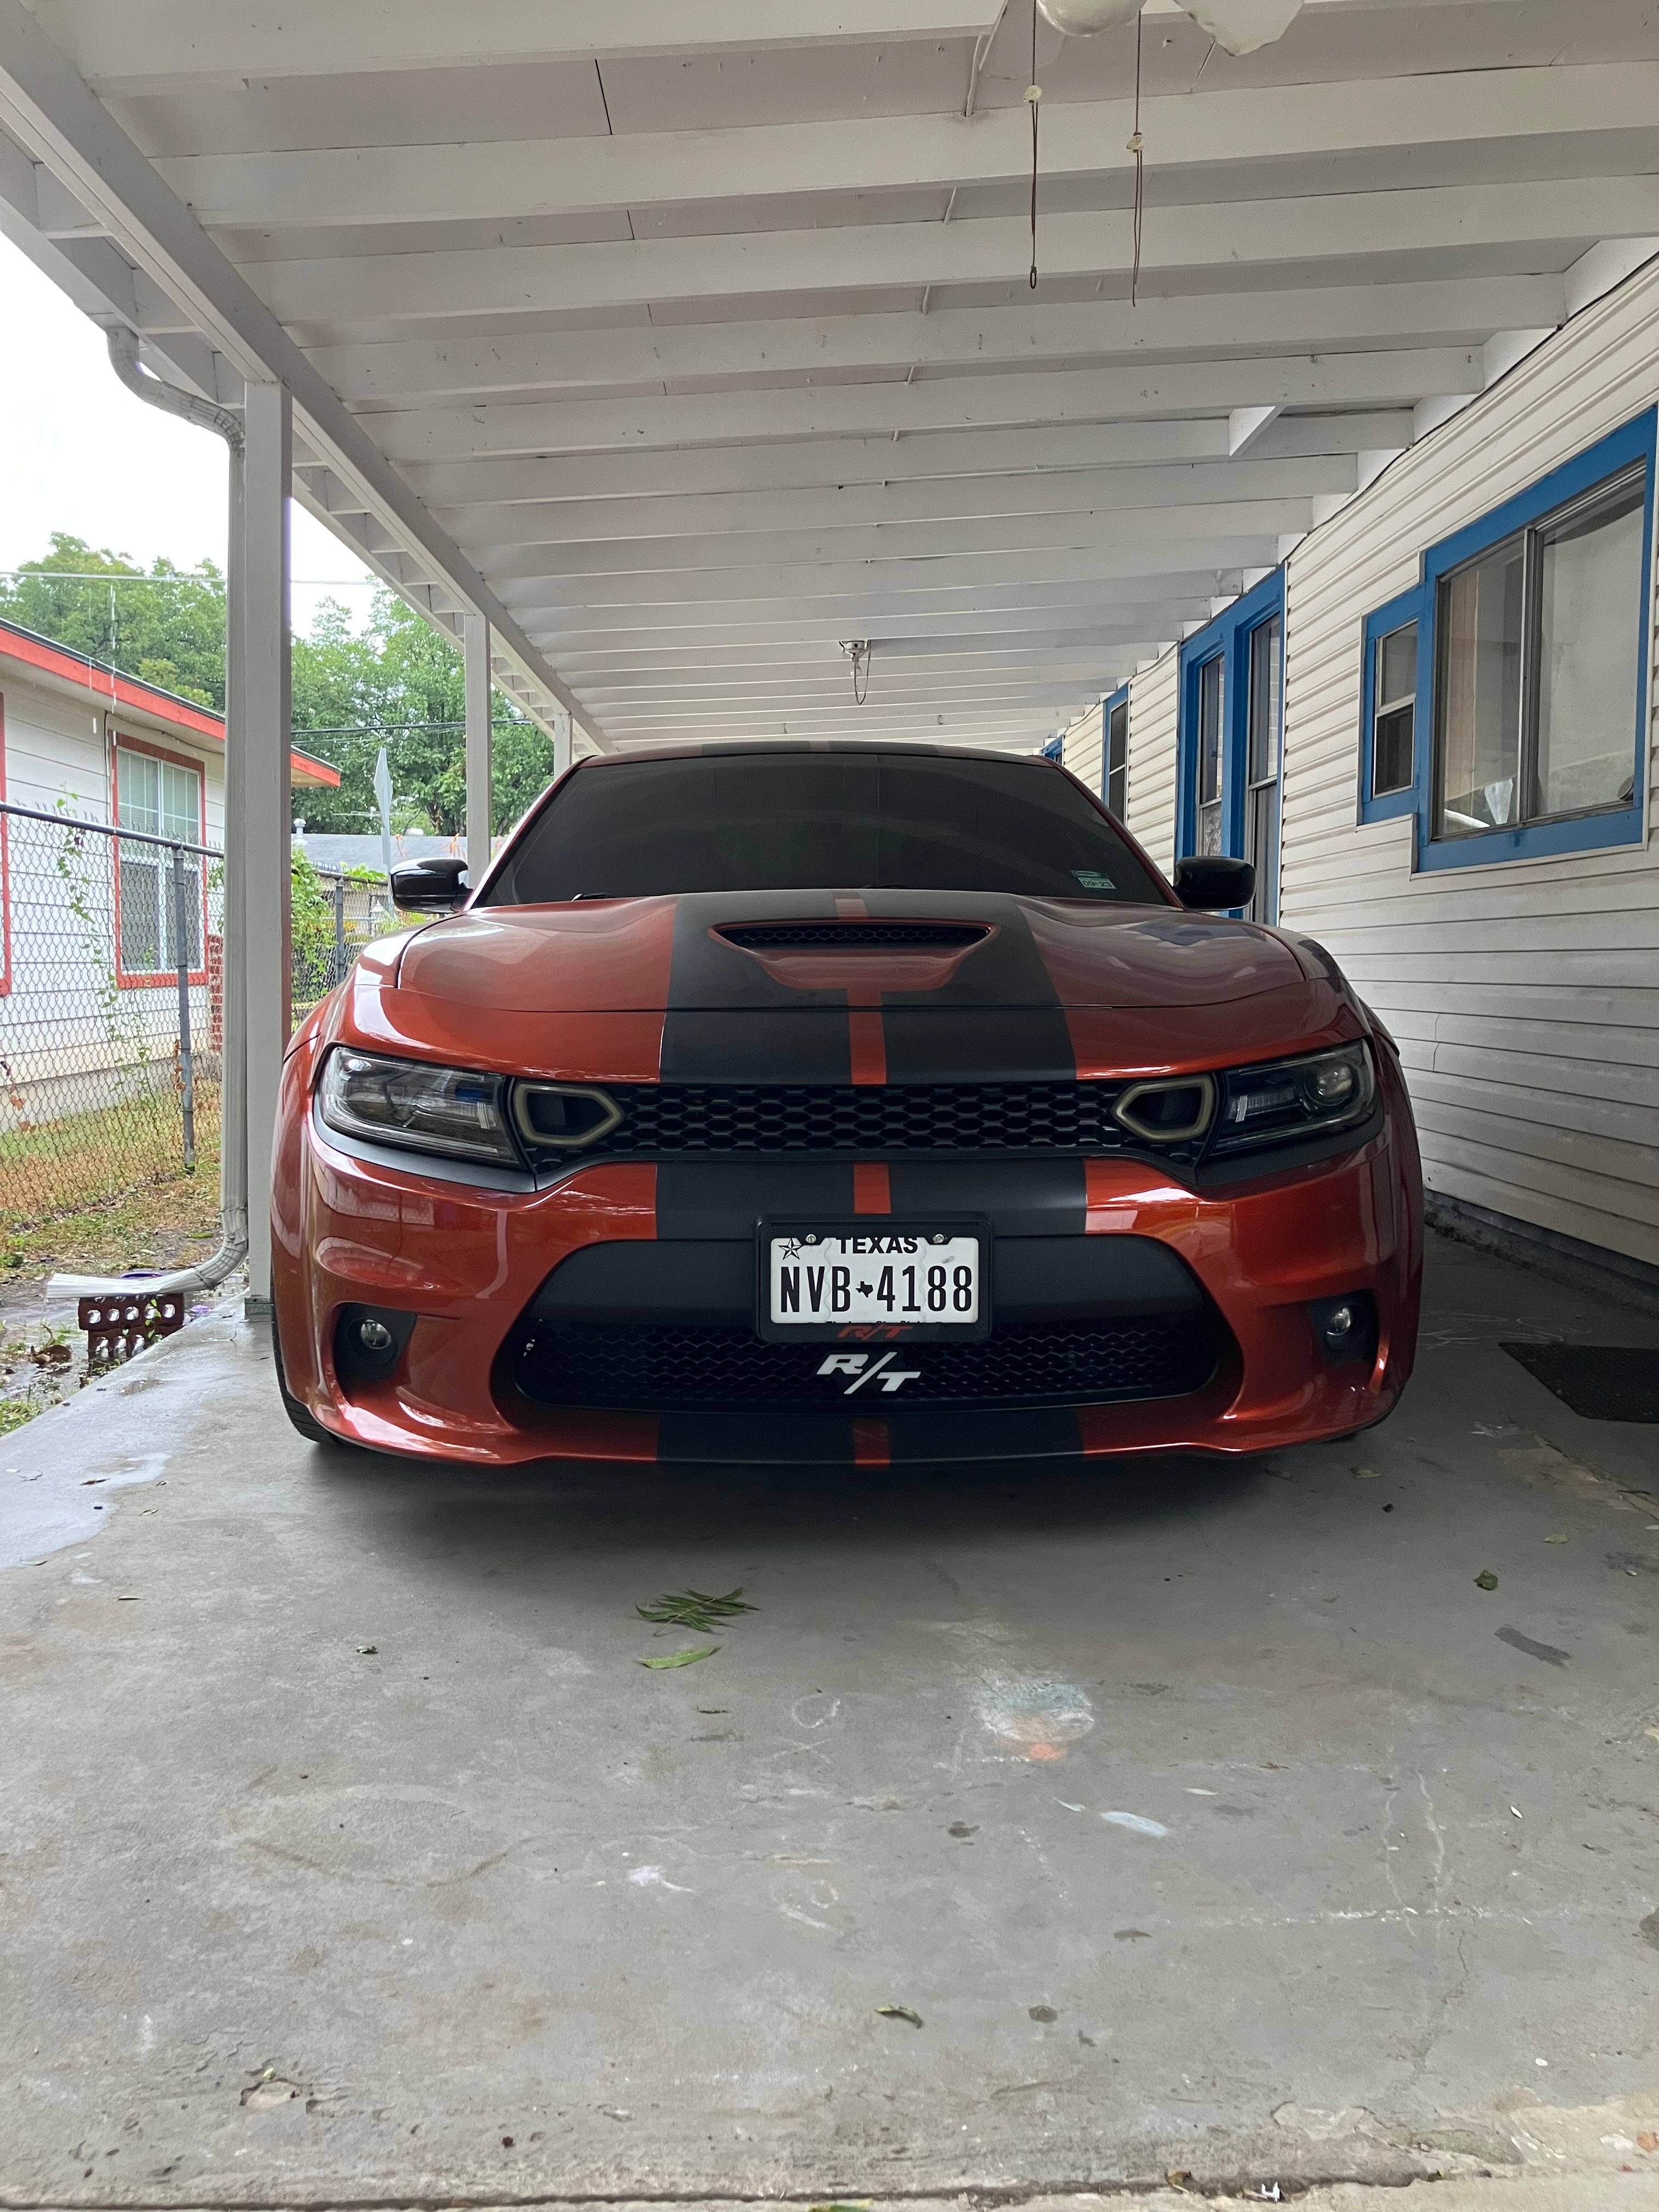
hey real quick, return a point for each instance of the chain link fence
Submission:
(112, 1005)
(110, 1011)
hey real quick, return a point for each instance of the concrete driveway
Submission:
(1212, 1820)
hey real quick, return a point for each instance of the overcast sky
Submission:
(79, 453)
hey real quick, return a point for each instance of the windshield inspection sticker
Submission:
(1092, 880)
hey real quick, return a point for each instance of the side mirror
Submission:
(432, 886)
(1211, 883)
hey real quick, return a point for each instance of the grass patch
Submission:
(97, 1193)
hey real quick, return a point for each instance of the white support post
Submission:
(561, 744)
(259, 839)
(480, 809)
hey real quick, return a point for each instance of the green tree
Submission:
(398, 683)
(164, 624)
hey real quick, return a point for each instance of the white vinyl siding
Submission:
(1524, 994)
(1084, 750)
(1151, 810)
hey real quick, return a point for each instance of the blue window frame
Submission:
(1115, 751)
(1231, 680)
(1532, 629)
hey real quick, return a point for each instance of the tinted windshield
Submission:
(822, 822)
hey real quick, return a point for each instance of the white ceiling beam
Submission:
(909, 672)
(403, 370)
(525, 179)
(348, 292)
(872, 720)
(724, 515)
(1245, 426)
(995, 603)
(716, 662)
(955, 403)
(1604, 265)
(835, 461)
(575, 365)
(166, 45)
(48, 109)
(888, 584)
(904, 541)
(673, 633)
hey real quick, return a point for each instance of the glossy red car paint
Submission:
(588, 993)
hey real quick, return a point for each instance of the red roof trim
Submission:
(127, 691)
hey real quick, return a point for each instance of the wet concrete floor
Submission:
(1213, 1820)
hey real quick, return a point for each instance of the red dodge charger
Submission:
(842, 1103)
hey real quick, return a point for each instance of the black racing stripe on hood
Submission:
(728, 1021)
(998, 1018)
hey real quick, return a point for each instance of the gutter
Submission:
(208, 1273)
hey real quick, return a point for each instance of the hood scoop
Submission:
(863, 958)
(854, 936)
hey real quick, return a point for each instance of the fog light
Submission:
(1346, 1328)
(368, 1343)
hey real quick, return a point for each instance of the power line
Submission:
(207, 583)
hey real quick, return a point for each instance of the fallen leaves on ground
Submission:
(1486, 1579)
(900, 2012)
(695, 1609)
(683, 1658)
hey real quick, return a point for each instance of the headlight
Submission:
(406, 1102)
(1288, 1099)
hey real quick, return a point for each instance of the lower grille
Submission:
(1081, 1363)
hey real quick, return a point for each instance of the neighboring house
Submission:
(1461, 662)
(330, 853)
(90, 939)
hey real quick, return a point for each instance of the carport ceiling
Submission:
(704, 332)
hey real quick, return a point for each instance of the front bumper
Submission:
(468, 1266)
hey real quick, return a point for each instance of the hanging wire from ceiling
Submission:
(1137, 146)
(858, 651)
(1034, 99)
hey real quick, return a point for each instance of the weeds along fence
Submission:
(112, 1006)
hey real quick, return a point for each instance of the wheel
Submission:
(312, 1431)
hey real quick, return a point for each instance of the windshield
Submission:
(822, 822)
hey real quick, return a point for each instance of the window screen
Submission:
(1117, 759)
(1394, 747)
(1211, 703)
(164, 800)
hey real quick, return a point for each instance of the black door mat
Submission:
(1600, 1382)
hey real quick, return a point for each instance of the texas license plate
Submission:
(869, 1278)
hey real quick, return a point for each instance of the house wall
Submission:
(71, 1035)
(1524, 994)
(1151, 806)
(1083, 748)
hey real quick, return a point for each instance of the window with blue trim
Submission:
(1231, 717)
(1505, 699)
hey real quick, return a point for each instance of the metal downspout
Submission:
(233, 1170)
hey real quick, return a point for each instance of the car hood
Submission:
(804, 987)
(634, 956)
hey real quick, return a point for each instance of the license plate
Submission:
(872, 1279)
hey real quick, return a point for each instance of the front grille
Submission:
(1081, 1363)
(935, 1117)
(856, 936)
